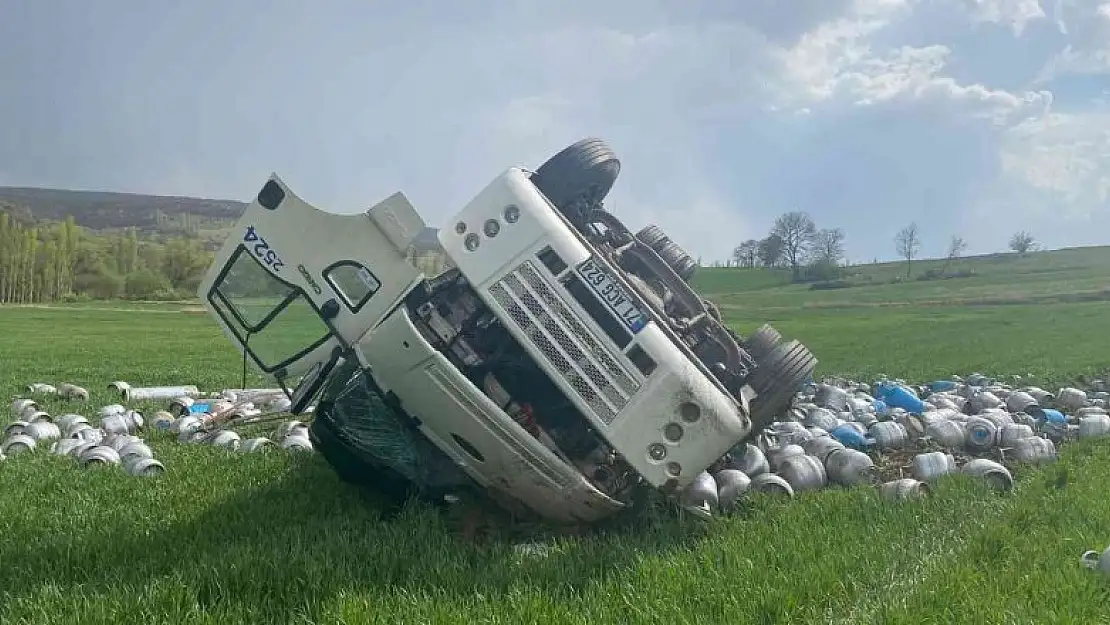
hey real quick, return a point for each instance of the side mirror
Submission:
(313, 381)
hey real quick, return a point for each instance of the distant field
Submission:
(1075, 274)
(276, 538)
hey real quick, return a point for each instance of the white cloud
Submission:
(838, 60)
(1015, 13)
(1073, 61)
(1066, 156)
(830, 55)
(1087, 52)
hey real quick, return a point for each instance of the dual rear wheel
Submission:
(781, 370)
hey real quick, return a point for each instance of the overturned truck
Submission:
(561, 364)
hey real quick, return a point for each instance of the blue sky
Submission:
(970, 117)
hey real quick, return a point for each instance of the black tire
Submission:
(778, 376)
(683, 264)
(651, 236)
(761, 342)
(582, 173)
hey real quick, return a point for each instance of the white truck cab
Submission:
(560, 362)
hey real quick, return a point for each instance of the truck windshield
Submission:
(274, 320)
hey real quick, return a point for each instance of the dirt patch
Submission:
(895, 464)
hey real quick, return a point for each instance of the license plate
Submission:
(610, 292)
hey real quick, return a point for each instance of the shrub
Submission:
(146, 285)
(819, 271)
(829, 285)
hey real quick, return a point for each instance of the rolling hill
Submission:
(101, 210)
(149, 214)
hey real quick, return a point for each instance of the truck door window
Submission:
(275, 320)
(354, 283)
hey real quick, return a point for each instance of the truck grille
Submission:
(574, 351)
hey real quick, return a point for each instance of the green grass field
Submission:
(276, 538)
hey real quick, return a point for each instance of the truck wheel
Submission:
(778, 376)
(578, 177)
(676, 257)
(761, 342)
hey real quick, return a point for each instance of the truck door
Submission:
(293, 284)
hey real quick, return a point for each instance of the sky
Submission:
(975, 118)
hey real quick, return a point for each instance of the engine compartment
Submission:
(454, 320)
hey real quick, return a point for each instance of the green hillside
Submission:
(1075, 274)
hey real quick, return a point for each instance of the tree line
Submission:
(795, 242)
(61, 261)
(907, 242)
(813, 253)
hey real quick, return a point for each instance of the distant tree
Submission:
(99, 285)
(823, 270)
(796, 230)
(956, 248)
(48, 261)
(908, 244)
(184, 263)
(828, 245)
(770, 251)
(1022, 242)
(145, 283)
(745, 253)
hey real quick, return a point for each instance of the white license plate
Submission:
(610, 292)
